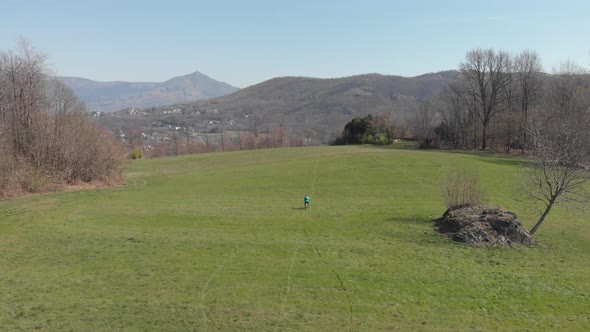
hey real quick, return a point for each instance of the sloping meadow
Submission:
(222, 242)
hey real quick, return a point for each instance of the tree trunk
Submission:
(524, 131)
(484, 138)
(509, 135)
(188, 143)
(475, 133)
(547, 209)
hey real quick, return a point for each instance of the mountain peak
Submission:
(197, 73)
(109, 97)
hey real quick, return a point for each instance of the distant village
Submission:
(175, 130)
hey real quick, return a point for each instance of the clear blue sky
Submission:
(243, 42)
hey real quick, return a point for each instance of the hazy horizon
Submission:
(335, 77)
(246, 43)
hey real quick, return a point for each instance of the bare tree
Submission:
(23, 77)
(248, 141)
(555, 175)
(487, 74)
(267, 140)
(61, 99)
(561, 141)
(508, 122)
(135, 138)
(280, 133)
(383, 124)
(188, 141)
(528, 80)
(425, 122)
(458, 126)
(44, 135)
(3, 91)
(176, 139)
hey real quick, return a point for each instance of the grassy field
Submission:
(220, 242)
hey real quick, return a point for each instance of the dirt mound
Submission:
(483, 225)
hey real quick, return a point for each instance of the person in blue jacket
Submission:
(306, 200)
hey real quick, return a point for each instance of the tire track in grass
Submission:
(290, 276)
(317, 251)
(208, 283)
(294, 256)
(337, 275)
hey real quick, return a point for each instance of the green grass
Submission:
(219, 242)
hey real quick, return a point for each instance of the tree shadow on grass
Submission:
(412, 220)
(508, 161)
(492, 157)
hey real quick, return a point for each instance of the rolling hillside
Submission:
(220, 242)
(114, 96)
(305, 103)
(306, 106)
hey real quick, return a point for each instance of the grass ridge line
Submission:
(342, 286)
(206, 288)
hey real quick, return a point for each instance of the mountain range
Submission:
(114, 96)
(304, 103)
(305, 106)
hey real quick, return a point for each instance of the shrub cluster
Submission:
(462, 188)
(45, 139)
(377, 130)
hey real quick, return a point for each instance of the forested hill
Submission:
(311, 103)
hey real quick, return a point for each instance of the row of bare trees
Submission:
(507, 102)
(492, 100)
(179, 144)
(44, 136)
(559, 171)
(497, 101)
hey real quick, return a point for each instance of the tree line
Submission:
(507, 102)
(45, 139)
(182, 143)
(499, 102)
